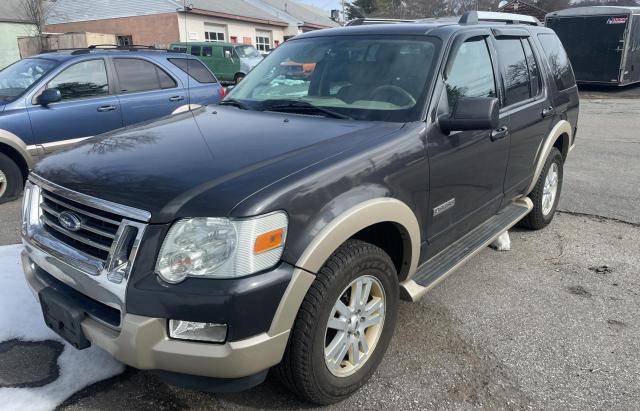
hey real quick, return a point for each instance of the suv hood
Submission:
(202, 163)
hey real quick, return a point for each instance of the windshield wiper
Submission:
(303, 106)
(235, 103)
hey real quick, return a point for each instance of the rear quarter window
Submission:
(195, 69)
(558, 61)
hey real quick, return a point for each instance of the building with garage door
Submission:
(263, 23)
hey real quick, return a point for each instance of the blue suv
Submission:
(51, 100)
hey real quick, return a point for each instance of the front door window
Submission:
(84, 79)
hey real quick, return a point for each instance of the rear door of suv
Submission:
(525, 101)
(146, 90)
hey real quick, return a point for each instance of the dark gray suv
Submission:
(281, 228)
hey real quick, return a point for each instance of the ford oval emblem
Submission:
(70, 221)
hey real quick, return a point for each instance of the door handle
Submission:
(104, 109)
(548, 111)
(176, 98)
(499, 133)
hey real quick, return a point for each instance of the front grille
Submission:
(97, 230)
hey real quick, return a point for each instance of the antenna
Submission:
(187, 9)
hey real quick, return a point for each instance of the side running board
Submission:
(429, 274)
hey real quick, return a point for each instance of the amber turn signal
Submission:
(269, 241)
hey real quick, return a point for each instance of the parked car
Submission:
(284, 225)
(230, 62)
(54, 99)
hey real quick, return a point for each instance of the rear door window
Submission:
(195, 69)
(558, 61)
(207, 51)
(84, 79)
(135, 75)
(515, 70)
(534, 72)
(195, 50)
(471, 73)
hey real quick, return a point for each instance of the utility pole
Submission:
(344, 12)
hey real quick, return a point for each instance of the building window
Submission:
(212, 36)
(234, 39)
(124, 41)
(263, 41)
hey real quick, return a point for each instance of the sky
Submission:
(324, 4)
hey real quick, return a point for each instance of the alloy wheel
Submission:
(3, 183)
(550, 189)
(354, 326)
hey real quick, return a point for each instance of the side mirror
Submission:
(471, 113)
(50, 95)
(227, 54)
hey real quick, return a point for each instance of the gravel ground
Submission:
(544, 325)
(553, 323)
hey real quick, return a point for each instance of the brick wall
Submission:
(157, 29)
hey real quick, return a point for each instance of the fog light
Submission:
(189, 330)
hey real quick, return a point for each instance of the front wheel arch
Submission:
(355, 221)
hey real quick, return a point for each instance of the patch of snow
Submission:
(21, 318)
(502, 243)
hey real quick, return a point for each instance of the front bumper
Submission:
(142, 342)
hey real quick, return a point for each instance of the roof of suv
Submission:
(65, 55)
(417, 28)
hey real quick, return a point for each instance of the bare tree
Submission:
(36, 12)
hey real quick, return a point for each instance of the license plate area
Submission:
(64, 317)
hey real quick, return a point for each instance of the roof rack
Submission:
(473, 17)
(469, 17)
(116, 46)
(108, 47)
(367, 21)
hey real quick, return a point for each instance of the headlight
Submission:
(30, 207)
(221, 248)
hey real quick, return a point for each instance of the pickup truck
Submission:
(280, 229)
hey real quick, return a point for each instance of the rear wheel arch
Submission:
(17, 157)
(563, 143)
(560, 137)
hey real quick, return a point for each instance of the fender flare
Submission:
(339, 230)
(16, 143)
(562, 127)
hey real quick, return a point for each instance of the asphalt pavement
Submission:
(554, 323)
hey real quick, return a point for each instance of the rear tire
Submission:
(312, 366)
(11, 179)
(546, 193)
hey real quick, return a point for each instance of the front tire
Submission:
(546, 193)
(344, 325)
(11, 180)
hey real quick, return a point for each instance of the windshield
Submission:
(21, 75)
(361, 77)
(247, 51)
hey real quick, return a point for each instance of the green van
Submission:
(229, 62)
